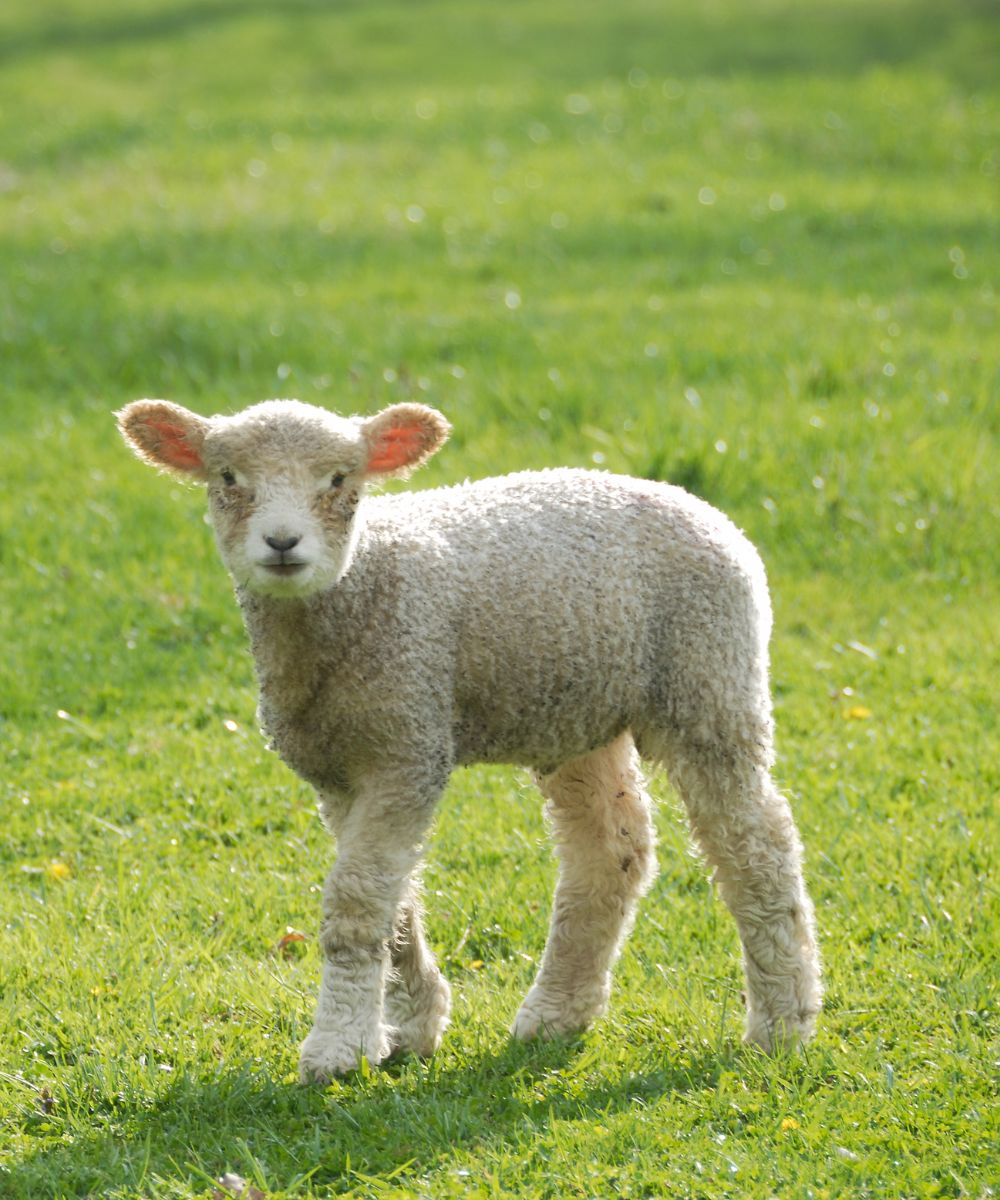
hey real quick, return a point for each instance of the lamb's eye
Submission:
(228, 478)
(337, 481)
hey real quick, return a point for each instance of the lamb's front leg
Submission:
(378, 848)
(418, 998)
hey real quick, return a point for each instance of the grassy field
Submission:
(749, 246)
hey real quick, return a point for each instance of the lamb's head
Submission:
(284, 479)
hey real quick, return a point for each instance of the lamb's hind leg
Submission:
(600, 817)
(746, 830)
(417, 998)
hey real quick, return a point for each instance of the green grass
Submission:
(751, 247)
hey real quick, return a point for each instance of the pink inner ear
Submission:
(172, 446)
(397, 447)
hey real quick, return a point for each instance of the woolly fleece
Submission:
(567, 621)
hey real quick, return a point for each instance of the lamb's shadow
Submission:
(420, 1117)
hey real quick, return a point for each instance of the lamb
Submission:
(573, 622)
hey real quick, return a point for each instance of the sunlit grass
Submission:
(751, 248)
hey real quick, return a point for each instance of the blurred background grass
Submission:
(748, 247)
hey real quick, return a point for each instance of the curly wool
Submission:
(526, 619)
(567, 621)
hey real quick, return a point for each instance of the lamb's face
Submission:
(284, 479)
(283, 489)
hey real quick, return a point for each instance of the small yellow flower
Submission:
(476, 964)
(857, 712)
(789, 1123)
(58, 871)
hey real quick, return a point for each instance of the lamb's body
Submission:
(557, 620)
(526, 619)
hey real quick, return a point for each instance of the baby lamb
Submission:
(568, 621)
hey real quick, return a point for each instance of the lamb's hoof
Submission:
(325, 1056)
(532, 1025)
(545, 1016)
(780, 1035)
(419, 1021)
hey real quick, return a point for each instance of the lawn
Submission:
(749, 246)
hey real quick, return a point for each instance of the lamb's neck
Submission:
(292, 642)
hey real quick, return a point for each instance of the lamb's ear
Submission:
(403, 437)
(165, 435)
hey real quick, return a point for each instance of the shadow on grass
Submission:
(115, 28)
(836, 36)
(407, 1120)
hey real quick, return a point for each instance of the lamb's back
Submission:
(555, 598)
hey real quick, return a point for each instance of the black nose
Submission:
(282, 544)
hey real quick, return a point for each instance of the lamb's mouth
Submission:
(284, 568)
